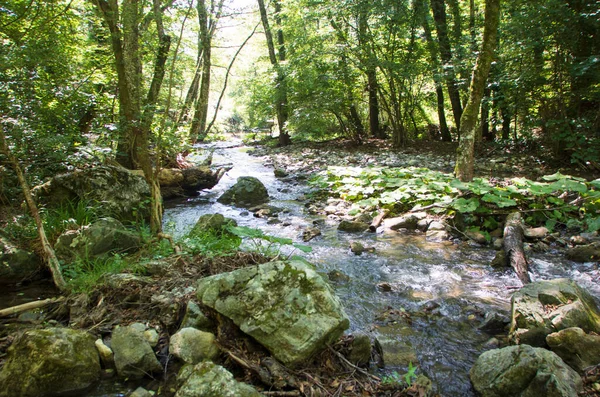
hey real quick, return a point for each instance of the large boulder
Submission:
(576, 348)
(106, 235)
(211, 380)
(247, 192)
(212, 222)
(16, 264)
(523, 371)
(48, 362)
(541, 308)
(133, 354)
(286, 306)
(113, 191)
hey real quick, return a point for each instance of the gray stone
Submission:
(352, 226)
(16, 264)
(436, 236)
(523, 371)
(113, 191)
(578, 349)
(536, 232)
(212, 222)
(407, 221)
(134, 357)
(106, 235)
(360, 353)
(210, 380)
(194, 318)
(494, 323)
(545, 307)
(584, 253)
(285, 306)
(247, 192)
(310, 233)
(500, 260)
(192, 346)
(151, 336)
(357, 248)
(140, 392)
(51, 361)
(476, 236)
(106, 354)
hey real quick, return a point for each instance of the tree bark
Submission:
(437, 73)
(48, 252)
(466, 148)
(439, 15)
(513, 246)
(281, 101)
(371, 72)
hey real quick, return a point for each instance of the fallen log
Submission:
(378, 219)
(175, 182)
(29, 306)
(513, 246)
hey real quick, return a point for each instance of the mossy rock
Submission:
(544, 307)
(247, 192)
(286, 306)
(211, 380)
(48, 362)
(523, 371)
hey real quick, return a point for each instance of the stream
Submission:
(455, 280)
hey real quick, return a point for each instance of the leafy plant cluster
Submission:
(555, 200)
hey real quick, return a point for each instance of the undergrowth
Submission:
(556, 200)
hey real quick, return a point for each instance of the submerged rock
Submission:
(545, 307)
(352, 226)
(51, 361)
(210, 380)
(407, 221)
(521, 371)
(134, 357)
(576, 348)
(286, 306)
(247, 192)
(212, 222)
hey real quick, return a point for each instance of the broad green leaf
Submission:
(466, 205)
(304, 248)
(500, 201)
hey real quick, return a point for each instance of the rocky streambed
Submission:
(410, 299)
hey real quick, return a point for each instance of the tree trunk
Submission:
(198, 128)
(48, 253)
(513, 246)
(439, 15)
(371, 72)
(439, 91)
(281, 102)
(466, 148)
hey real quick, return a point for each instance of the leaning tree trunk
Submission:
(513, 246)
(466, 148)
(48, 251)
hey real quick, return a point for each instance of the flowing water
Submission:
(456, 277)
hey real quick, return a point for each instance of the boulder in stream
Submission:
(247, 192)
(352, 226)
(214, 222)
(576, 348)
(584, 253)
(541, 308)
(208, 380)
(521, 371)
(51, 361)
(286, 306)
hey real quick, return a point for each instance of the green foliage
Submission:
(263, 243)
(84, 275)
(69, 216)
(211, 243)
(395, 379)
(401, 189)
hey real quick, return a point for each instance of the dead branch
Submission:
(378, 219)
(513, 246)
(29, 306)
